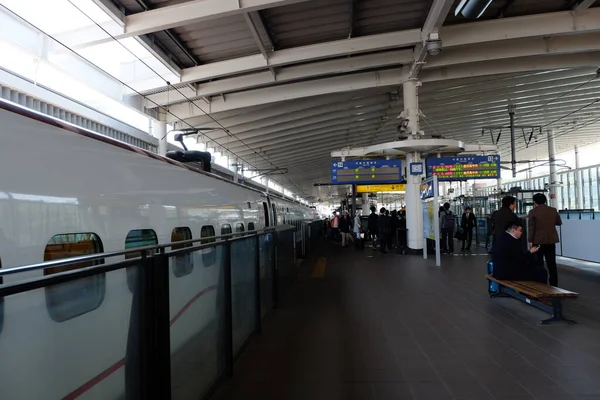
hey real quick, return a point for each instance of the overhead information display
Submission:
(366, 172)
(398, 187)
(464, 167)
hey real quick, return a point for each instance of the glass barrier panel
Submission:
(243, 290)
(85, 356)
(287, 272)
(266, 273)
(196, 302)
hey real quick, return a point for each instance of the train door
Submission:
(266, 214)
(275, 220)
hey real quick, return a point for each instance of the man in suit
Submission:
(511, 262)
(468, 222)
(505, 216)
(543, 221)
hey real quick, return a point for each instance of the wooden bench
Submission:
(545, 297)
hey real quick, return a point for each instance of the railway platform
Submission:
(363, 325)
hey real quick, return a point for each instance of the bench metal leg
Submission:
(557, 313)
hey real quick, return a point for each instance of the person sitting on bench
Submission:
(511, 263)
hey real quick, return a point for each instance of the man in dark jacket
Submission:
(511, 262)
(467, 224)
(384, 225)
(372, 225)
(447, 227)
(543, 221)
(345, 227)
(505, 216)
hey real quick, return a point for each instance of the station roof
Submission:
(292, 80)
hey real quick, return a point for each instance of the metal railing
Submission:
(207, 315)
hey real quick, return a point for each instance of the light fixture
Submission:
(472, 9)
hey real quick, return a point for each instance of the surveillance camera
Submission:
(433, 45)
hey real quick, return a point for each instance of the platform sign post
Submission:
(431, 220)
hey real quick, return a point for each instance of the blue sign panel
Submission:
(366, 172)
(461, 168)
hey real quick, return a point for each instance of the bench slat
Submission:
(550, 290)
(534, 290)
(536, 294)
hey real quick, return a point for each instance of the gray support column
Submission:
(578, 180)
(553, 187)
(159, 131)
(353, 201)
(265, 181)
(414, 208)
(365, 205)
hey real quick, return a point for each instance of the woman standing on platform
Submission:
(467, 224)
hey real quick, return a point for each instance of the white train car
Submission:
(65, 191)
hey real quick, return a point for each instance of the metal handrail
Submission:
(146, 251)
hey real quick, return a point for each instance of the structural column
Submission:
(578, 180)
(414, 208)
(553, 187)
(159, 131)
(365, 204)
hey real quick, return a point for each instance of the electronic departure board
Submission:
(464, 167)
(366, 172)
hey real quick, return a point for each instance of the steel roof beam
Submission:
(583, 5)
(296, 55)
(479, 117)
(524, 64)
(312, 131)
(517, 48)
(328, 118)
(258, 113)
(291, 140)
(537, 25)
(500, 117)
(336, 122)
(285, 74)
(550, 24)
(317, 87)
(522, 82)
(192, 12)
(299, 116)
(390, 77)
(551, 94)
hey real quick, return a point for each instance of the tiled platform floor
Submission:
(396, 327)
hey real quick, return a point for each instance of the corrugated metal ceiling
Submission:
(299, 134)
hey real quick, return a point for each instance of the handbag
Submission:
(459, 235)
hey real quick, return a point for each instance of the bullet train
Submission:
(67, 191)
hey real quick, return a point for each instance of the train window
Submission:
(137, 238)
(249, 206)
(71, 299)
(184, 264)
(251, 226)
(239, 228)
(225, 229)
(209, 256)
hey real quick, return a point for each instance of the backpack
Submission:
(448, 220)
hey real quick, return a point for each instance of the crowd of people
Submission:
(511, 261)
(386, 230)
